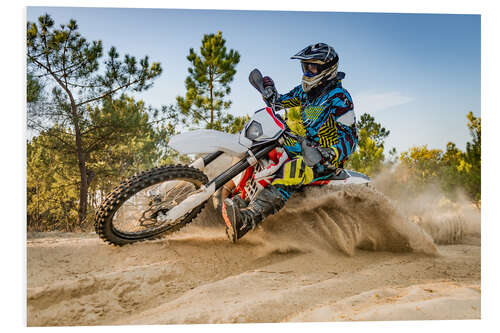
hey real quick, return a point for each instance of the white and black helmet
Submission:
(319, 64)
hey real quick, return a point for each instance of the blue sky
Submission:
(417, 74)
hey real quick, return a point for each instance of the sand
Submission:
(343, 254)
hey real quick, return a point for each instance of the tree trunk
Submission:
(211, 86)
(84, 186)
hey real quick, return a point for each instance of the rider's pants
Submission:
(291, 176)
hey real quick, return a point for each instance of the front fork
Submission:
(202, 162)
(251, 158)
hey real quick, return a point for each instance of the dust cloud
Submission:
(346, 218)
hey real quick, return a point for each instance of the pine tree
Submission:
(33, 89)
(71, 64)
(369, 156)
(125, 138)
(207, 85)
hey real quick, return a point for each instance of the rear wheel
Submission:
(135, 210)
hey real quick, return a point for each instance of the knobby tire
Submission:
(115, 199)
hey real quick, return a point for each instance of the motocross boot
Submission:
(218, 200)
(240, 220)
(239, 202)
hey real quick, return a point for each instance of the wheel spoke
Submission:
(129, 213)
(140, 212)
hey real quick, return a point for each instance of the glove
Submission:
(328, 154)
(270, 92)
(267, 81)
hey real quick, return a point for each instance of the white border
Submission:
(13, 165)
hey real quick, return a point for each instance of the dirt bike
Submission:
(165, 199)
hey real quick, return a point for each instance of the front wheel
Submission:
(134, 211)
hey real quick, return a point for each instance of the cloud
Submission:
(370, 102)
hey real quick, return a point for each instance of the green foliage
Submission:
(52, 186)
(372, 129)
(123, 139)
(451, 178)
(471, 164)
(70, 64)
(207, 85)
(369, 157)
(234, 124)
(422, 166)
(454, 170)
(33, 89)
(73, 62)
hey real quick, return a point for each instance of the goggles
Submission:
(311, 69)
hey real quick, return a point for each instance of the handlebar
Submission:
(257, 81)
(311, 155)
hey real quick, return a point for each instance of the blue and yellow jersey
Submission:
(328, 120)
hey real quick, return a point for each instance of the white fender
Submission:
(354, 178)
(207, 141)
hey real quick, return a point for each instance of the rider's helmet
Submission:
(319, 64)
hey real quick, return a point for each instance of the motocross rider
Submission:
(328, 120)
